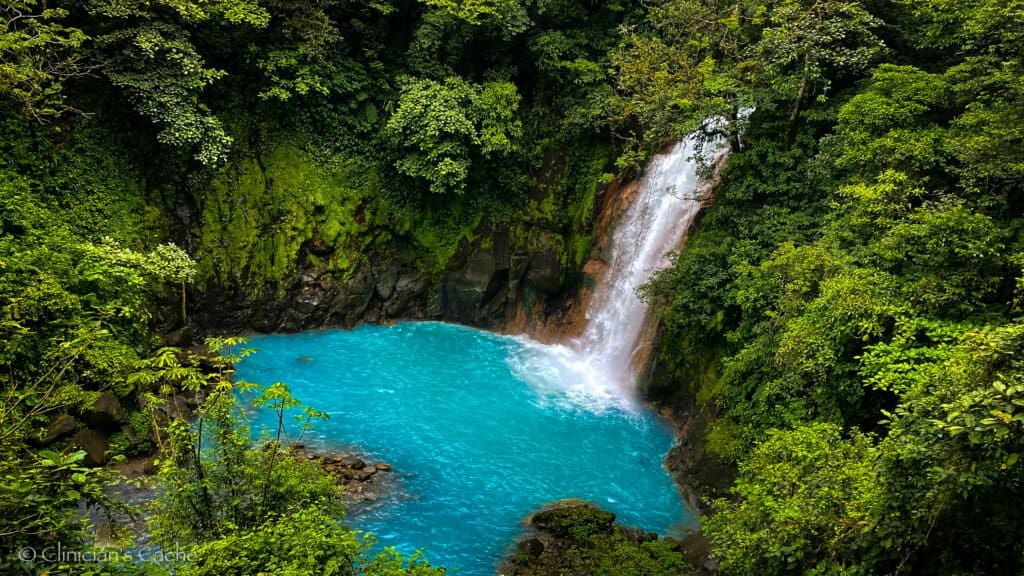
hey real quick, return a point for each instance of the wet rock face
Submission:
(528, 277)
(524, 276)
(466, 287)
(349, 303)
(181, 337)
(485, 285)
(544, 271)
(410, 288)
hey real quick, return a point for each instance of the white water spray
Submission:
(596, 370)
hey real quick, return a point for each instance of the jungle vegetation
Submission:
(847, 313)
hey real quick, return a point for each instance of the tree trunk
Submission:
(791, 126)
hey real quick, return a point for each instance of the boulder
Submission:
(309, 292)
(106, 412)
(172, 407)
(696, 548)
(372, 314)
(95, 444)
(573, 518)
(571, 537)
(351, 301)
(177, 407)
(130, 435)
(180, 338)
(137, 467)
(386, 281)
(305, 304)
(364, 481)
(59, 427)
(530, 547)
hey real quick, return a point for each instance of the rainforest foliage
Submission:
(847, 313)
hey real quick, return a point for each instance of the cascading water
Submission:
(596, 370)
(478, 446)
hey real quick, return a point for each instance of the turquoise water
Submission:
(476, 446)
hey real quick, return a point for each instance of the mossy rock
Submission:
(574, 537)
(574, 519)
(262, 215)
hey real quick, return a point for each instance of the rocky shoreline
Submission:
(365, 482)
(699, 478)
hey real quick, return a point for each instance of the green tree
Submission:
(443, 130)
(952, 458)
(697, 59)
(508, 15)
(804, 48)
(74, 320)
(148, 51)
(241, 506)
(38, 55)
(804, 501)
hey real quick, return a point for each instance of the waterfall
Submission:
(596, 370)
